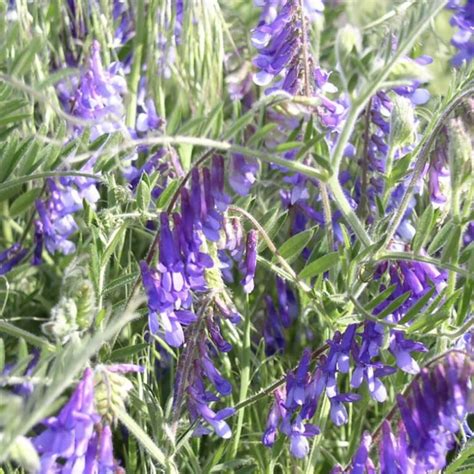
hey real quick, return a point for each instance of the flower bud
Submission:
(348, 39)
(402, 122)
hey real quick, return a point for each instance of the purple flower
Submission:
(338, 412)
(11, 257)
(279, 39)
(294, 405)
(199, 398)
(438, 177)
(250, 261)
(277, 412)
(401, 349)
(98, 96)
(100, 455)
(431, 414)
(463, 39)
(361, 462)
(67, 436)
(242, 173)
(273, 329)
(147, 118)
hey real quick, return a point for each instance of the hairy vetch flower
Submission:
(463, 21)
(11, 257)
(283, 46)
(431, 414)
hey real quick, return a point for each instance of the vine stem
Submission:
(277, 383)
(421, 162)
(358, 105)
(363, 209)
(307, 91)
(347, 211)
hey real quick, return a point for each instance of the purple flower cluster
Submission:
(280, 41)
(183, 260)
(293, 407)
(55, 223)
(431, 414)
(99, 96)
(463, 21)
(78, 439)
(74, 441)
(412, 278)
(199, 398)
(360, 347)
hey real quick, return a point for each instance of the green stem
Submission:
(49, 174)
(245, 354)
(6, 226)
(139, 44)
(358, 105)
(388, 175)
(34, 340)
(347, 211)
(387, 255)
(142, 437)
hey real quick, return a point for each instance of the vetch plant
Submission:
(236, 236)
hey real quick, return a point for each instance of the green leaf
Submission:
(272, 222)
(380, 298)
(429, 321)
(167, 194)
(24, 201)
(451, 251)
(119, 282)
(395, 304)
(293, 247)
(424, 227)
(440, 238)
(287, 146)
(261, 133)
(125, 353)
(319, 265)
(143, 195)
(417, 307)
(464, 462)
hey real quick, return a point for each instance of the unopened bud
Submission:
(348, 39)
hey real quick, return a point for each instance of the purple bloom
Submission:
(279, 39)
(100, 455)
(98, 96)
(199, 398)
(68, 435)
(401, 349)
(361, 462)
(463, 39)
(11, 257)
(242, 173)
(250, 261)
(277, 412)
(431, 414)
(438, 177)
(294, 405)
